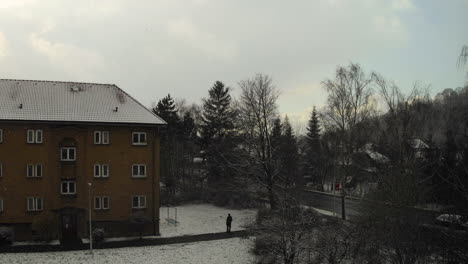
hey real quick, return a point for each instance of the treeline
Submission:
(369, 136)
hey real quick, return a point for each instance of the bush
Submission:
(45, 226)
(263, 245)
(98, 235)
(6, 235)
(262, 214)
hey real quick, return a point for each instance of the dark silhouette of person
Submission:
(228, 223)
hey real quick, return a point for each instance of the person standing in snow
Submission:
(228, 223)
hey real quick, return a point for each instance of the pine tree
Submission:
(314, 149)
(218, 115)
(313, 130)
(216, 131)
(289, 161)
(166, 109)
(276, 133)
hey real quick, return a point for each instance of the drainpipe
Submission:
(154, 183)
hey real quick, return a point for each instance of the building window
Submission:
(138, 201)
(68, 154)
(105, 137)
(34, 170)
(101, 170)
(68, 187)
(139, 138)
(34, 136)
(101, 203)
(1, 205)
(35, 204)
(101, 137)
(1, 135)
(138, 170)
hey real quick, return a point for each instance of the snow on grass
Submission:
(202, 218)
(233, 250)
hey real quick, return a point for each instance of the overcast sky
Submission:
(181, 47)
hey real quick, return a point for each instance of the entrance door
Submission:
(69, 228)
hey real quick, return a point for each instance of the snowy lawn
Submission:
(233, 250)
(203, 218)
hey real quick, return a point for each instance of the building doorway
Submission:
(69, 222)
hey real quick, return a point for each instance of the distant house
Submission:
(420, 148)
(56, 138)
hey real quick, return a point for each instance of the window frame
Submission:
(34, 136)
(68, 153)
(1, 135)
(68, 187)
(99, 202)
(99, 137)
(30, 136)
(139, 142)
(139, 198)
(139, 166)
(38, 139)
(100, 169)
(36, 201)
(105, 137)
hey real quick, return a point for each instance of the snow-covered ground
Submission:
(233, 250)
(202, 218)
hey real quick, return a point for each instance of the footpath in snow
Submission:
(196, 219)
(234, 250)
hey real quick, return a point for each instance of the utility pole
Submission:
(90, 227)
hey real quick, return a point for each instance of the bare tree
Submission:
(258, 109)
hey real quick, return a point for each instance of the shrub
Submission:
(45, 226)
(6, 235)
(98, 235)
(263, 244)
(262, 214)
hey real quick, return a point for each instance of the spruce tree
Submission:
(313, 131)
(218, 115)
(313, 146)
(166, 109)
(216, 132)
(289, 149)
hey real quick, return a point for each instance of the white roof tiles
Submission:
(25, 100)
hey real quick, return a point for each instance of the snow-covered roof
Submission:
(419, 144)
(27, 100)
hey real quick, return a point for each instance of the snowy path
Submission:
(234, 250)
(203, 218)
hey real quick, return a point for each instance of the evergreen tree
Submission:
(166, 109)
(314, 149)
(289, 160)
(216, 131)
(313, 131)
(276, 133)
(218, 115)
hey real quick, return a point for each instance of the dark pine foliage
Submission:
(218, 115)
(216, 130)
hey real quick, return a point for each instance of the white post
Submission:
(90, 228)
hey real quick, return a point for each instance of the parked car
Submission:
(452, 220)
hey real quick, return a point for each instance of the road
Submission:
(353, 207)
